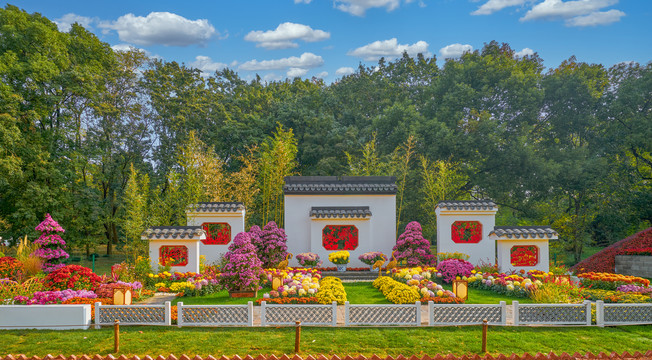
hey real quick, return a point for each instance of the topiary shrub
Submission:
(270, 243)
(331, 289)
(412, 247)
(243, 269)
(396, 292)
(52, 246)
(73, 277)
(452, 268)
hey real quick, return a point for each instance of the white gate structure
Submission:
(552, 314)
(466, 314)
(158, 314)
(622, 314)
(404, 314)
(215, 315)
(289, 314)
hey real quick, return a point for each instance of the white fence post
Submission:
(588, 312)
(515, 313)
(250, 313)
(179, 314)
(418, 305)
(262, 313)
(346, 313)
(334, 304)
(431, 313)
(97, 315)
(503, 312)
(599, 313)
(168, 313)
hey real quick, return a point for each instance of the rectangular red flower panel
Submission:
(466, 232)
(217, 233)
(524, 255)
(339, 237)
(173, 255)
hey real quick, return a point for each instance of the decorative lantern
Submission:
(277, 281)
(461, 289)
(122, 295)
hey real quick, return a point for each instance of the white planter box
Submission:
(54, 317)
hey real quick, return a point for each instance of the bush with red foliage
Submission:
(72, 277)
(604, 260)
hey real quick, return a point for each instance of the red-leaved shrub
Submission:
(604, 261)
(72, 277)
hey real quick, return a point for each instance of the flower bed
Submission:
(419, 278)
(53, 297)
(331, 289)
(604, 260)
(297, 283)
(610, 296)
(396, 292)
(608, 281)
(636, 251)
(452, 268)
(288, 300)
(501, 283)
(370, 258)
(73, 277)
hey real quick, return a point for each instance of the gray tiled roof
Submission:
(172, 232)
(524, 232)
(467, 205)
(340, 212)
(216, 207)
(344, 185)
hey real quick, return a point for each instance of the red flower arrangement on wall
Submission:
(340, 237)
(174, 255)
(217, 233)
(466, 232)
(524, 255)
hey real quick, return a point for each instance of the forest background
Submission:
(111, 142)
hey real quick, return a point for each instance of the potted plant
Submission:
(371, 257)
(308, 259)
(340, 259)
(242, 272)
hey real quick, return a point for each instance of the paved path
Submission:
(158, 298)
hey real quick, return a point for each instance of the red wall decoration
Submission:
(524, 255)
(217, 233)
(173, 255)
(339, 237)
(466, 232)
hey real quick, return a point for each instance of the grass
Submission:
(221, 298)
(382, 341)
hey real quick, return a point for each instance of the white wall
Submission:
(504, 259)
(193, 253)
(214, 253)
(482, 251)
(378, 233)
(45, 316)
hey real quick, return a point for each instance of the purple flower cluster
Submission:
(370, 258)
(634, 288)
(243, 269)
(452, 268)
(270, 243)
(412, 247)
(54, 297)
(52, 245)
(308, 259)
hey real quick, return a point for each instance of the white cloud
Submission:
(344, 71)
(272, 77)
(558, 9)
(207, 65)
(492, 6)
(162, 28)
(122, 47)
(360, 7)
(65, 22)
(296, 72)
(596, 18)
(389, 49)
(454, 50)
(285, 36)
(524, 52)
(305, 61)
(322, 74)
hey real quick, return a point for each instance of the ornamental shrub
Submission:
(331, 289)
(308, 259)
(51, 245)
(243, 269)
(604, 260)
(396, 292)
(270, 243)
(370, 258)
(412, 247)
(452, 268)
(73, 277)
(10, 268)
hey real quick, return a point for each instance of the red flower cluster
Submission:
(636, 251)
(340, 237)
(524, 255)
(217, 233)
(174, 255)
(10, 268)
(604, 261)
(466, 232)
(73, 277)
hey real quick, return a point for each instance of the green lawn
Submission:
(221, 298)
(382, 341)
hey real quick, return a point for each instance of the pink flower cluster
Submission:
(54, 297)
(270, 243)
(49, 253)
(243, 268)
(370, 258)
(452, 268)
(635, 289)
(412, 247)
(49, 225)
(52, 245)
(308, 259)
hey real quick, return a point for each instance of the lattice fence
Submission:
(133, 314)
(286, 314)
(620, 314)
(553, 314)
(207, 315)
(462, 314)
(408, 314)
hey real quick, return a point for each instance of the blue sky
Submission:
(330, 38)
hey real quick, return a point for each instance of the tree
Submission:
(135, 212)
